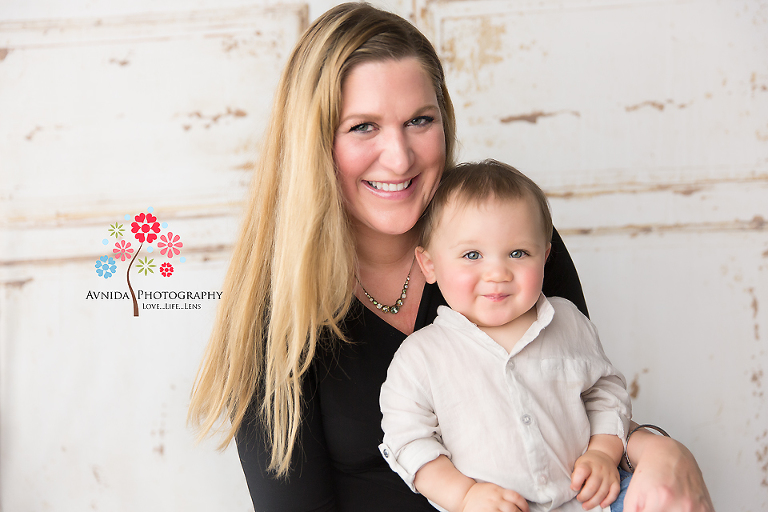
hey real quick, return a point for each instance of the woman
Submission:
(322, 287)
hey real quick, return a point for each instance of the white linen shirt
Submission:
(519, 419)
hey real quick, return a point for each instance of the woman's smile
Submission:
(390, 187)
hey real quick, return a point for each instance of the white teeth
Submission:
(390, 187)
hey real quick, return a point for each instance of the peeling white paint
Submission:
(645, 121)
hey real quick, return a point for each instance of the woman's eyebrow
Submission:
(377, 117)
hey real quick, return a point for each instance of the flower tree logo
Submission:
(144, 229)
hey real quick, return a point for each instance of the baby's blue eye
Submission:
(472, 255)
(517, 254)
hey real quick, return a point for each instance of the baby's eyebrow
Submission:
(463, 244)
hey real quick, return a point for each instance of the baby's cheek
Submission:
(462, 282)
(465, 287)
(531, 277)
(458, 289)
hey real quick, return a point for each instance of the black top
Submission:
(337, 465)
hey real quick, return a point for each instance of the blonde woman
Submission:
(322, 287)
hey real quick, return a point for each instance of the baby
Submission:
(507, 401)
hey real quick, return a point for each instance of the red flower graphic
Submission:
(122, 250)
(170, 244)
(166, 269)
(145, 222)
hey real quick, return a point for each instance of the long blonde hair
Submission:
(291, 279)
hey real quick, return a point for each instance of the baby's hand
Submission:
(487, 497)
(597, 477)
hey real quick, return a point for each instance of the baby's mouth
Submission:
(390, 187)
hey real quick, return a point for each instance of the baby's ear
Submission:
(426, 264)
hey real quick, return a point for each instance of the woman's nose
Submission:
(396, 153)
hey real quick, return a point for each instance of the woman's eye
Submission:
(517, 254)
(472, 255)
(362, 128)
(421, 121)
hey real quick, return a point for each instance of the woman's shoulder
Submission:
(560, 276)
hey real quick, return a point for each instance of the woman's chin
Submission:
(390, 225)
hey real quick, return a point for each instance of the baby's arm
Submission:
(596, 472)
(608, 407)
(442, 483)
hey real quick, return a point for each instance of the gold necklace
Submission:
(394, 308)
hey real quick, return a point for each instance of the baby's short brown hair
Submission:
(475, 182)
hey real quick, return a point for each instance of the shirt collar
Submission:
(455, 320)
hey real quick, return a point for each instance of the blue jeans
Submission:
(624, 477)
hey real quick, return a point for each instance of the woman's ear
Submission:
(426, 264)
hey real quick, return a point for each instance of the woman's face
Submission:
(389, 148)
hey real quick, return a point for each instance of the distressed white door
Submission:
(104, 119)
(645, 121)
(647, 124)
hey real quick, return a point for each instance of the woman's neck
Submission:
(383, 262)
(380, 251)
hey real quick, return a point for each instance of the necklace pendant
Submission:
(394, 308)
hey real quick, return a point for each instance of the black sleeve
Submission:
(560, 276)
(309, 486)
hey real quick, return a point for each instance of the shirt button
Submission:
(526, 419)
(511, 365)
(542, 479)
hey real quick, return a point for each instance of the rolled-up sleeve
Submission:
(608, 407)
(606, 401)
(411, 430)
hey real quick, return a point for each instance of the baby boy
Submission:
(507, 401)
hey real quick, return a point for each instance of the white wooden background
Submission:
(645, 120)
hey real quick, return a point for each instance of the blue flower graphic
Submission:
(105, 267)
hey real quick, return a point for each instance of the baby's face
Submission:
(488, 259)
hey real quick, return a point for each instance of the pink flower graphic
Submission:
(146, 227)
(146, 230)
(170, 244)
(122, 250)
(166, 269)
